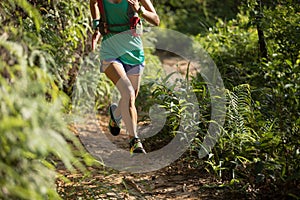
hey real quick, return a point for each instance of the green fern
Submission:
(239, 111)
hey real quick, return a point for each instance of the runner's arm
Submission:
(94, 9)
(95, 15)
(149, 13)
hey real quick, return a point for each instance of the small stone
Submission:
(111, 194)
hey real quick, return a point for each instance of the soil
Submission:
(184, 178)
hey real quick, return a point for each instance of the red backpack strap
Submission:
(102, 11)
(103, 27)
(133, 20)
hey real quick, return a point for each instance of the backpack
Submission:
(135, 22)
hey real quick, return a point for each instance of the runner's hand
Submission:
(95, 39)
(134, 4)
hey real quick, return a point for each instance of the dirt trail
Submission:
(179, 180)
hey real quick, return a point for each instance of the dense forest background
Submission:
(254, 43)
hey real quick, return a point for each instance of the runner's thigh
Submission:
(116, 73)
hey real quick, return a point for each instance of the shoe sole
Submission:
(117, 130)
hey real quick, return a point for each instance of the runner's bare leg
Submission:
(128, 93)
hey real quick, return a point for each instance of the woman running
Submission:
(122, 56)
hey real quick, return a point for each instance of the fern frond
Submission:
(239, 108)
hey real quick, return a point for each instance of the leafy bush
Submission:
(233, 47)
(261, 142)
(33, 133)
(54, 30)
(194, 17)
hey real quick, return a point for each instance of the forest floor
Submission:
(179, 180)
(182, 179)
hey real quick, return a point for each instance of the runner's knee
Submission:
(129, 96)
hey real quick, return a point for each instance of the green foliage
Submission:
(281, 78)
(168, 100)
(33, 74)
(44, 57)
(55, 34)
(282, 69)
(159, 92)
(92, 89)
(237, 145)
(32, 129)
(284, 31)
(260, 143)
(233, 47)
(163, 97)
(194, 17)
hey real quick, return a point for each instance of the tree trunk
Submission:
(263, 51)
